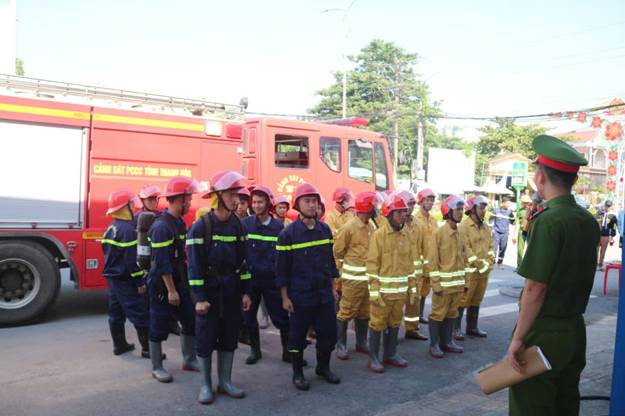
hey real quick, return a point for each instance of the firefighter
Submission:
(350, 248)
(305, 268)
(262, 237)
(338, 217)
(447, 279)
(411, 314)
(428, 226)
(391, 272)
(149, 196)
(281, 208)
(220, 282)
(167, 280)
(243, 204)
(479, 250)
(125, 279)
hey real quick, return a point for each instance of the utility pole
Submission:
(396, 120)
(420, 144)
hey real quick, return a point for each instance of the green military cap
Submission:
(558, 155)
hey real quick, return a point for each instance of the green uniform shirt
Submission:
(562, 253)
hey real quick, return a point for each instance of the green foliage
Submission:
(19, 67)
(383, 87)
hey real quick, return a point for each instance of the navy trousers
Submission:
(126, 302)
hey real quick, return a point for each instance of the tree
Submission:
(383, 87)
(19, 67)
(504, 137)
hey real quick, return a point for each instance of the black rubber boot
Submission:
(375, 337)
(362, 328)
(158, 372)
(473, 313)
(255, 353)
(300, 382)
(423, 318)
(206, 395)
(341, 345)
(118, 334)
(457, 331)
(435, 331)
(142, 334)
(189, 353)
(391, 357)
(323, 367)
(447, 340)
(224, 370)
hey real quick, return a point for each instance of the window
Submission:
(330, 153)
(291, 151)
(381, 173)
(361, 160)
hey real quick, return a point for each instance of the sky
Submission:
(480, 58)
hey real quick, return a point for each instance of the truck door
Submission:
(359, 176)
(382, 177)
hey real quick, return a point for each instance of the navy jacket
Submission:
(261, 247)
(119, 245)
(217, 264)
(305, 263)
(167, 244)
(502, 218)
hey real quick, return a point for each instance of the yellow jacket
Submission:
(351, 247)
(390, 264)
(336, 220)
(415, 231)
(478, 246)
(449, 274)
(428, 228)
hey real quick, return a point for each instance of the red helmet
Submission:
(281, 199)
(450, 203)
(120, 198)
(225, 180)
(244, 192)
(181, 185)
(149, 191)
(366, 202)
(341, 194)
(407, 196)
(305, 189)
(263, 190)
(425, 193)
(393, 203)
(474, 201)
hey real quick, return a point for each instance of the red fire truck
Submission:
(65, 147)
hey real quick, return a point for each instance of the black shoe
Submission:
(473, 330)
(323, 367)
(118, 334)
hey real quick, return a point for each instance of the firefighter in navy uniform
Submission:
(167, 281)
(262, 236)
(305, 269)
(220, 282)
(124, 277)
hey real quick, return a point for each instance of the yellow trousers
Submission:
(354, 302)
(387, 316)
(411, 315)
(476, 287)
(445, 305)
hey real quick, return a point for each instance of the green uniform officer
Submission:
(521, 219)
(559, 267)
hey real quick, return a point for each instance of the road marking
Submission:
(499, 309)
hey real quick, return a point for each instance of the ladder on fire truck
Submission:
(89, 94)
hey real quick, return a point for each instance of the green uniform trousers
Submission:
(556, 392)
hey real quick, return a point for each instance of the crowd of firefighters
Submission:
(372, 259)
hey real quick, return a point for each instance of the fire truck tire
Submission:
(29, 281)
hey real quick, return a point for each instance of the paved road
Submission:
(64, 366)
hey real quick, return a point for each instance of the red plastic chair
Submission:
(608, 267)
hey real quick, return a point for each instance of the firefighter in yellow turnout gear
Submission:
(447, 280)
(351, 247)
(480, 252)
(412, 311)
(337, 218)
(428, 226)
(391, 272)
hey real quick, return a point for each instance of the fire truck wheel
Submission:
(29, 281)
